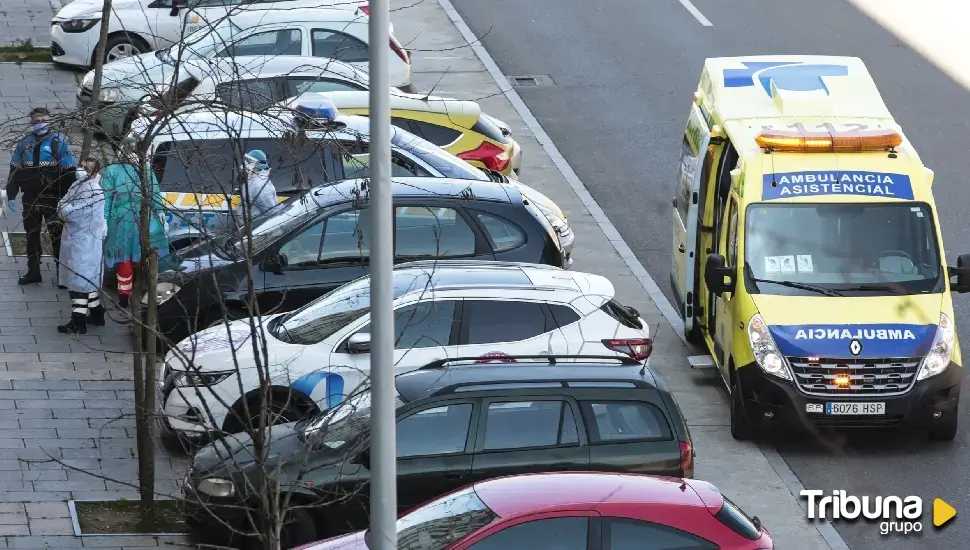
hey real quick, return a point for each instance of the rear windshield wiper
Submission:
(801, 286)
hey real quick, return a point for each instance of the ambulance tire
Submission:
(695, 335)
(741, 429)
(946, 431)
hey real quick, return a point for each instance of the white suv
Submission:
(320, 353)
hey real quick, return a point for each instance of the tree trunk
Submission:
(96, 91)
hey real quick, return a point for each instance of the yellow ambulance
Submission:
(807, 253)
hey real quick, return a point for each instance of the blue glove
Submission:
(12, 204)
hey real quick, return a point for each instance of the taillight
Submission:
(399, 50)
(489, 154)
(365, 9)
(637, 348)
(686, 459)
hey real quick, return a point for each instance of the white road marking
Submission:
(787, 476)
(689, 6)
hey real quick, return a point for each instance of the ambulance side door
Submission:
(687, 201)
(724, 305)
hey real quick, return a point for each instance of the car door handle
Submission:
(681, 249)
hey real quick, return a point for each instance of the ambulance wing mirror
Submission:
(962, 273)
(718, 278)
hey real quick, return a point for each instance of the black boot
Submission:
(96, 316)
(123, 300)
(77, 325)
(31, 277)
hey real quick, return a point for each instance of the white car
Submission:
(246, 82)
(446, 309)
(140, 26)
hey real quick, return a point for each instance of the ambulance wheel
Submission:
(740, 427)
(695, 335)
(946, 431)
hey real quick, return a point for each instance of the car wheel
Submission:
(946, 431)
(121, 46)
(217, 318)
(283, 410)
(298, 528)
(740, 428)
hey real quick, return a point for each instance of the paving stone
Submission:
(48, 404)
(45, 385)
(16, 529)
(51, 526)
(105, 385)
(47, 510)
(52, 423)
(82, 394)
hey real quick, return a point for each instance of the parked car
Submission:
(197, 157)
(566, 511)
(242, 82)
(328, 33)
(443, 309)
(459, 127)
(458, 422)
(140, 26)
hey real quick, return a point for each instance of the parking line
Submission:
(777, 462)
(689, 6)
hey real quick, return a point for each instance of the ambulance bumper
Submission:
(771, 403)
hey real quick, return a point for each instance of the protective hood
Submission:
(883, 326)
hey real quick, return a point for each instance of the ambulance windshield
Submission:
(860, 249)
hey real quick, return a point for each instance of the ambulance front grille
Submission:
(867, 377)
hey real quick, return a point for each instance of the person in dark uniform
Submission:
(42, 168)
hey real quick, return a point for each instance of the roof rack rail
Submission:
(513, 360)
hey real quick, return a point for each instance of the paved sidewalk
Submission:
(22, 20)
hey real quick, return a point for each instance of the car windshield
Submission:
(200, 43)
(864, 249)
(343, 424)
(449, 165)
(327, 314)
(440, 523)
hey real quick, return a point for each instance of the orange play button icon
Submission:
(942, 512)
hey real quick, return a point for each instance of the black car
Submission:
(458, 422)
(319, 240)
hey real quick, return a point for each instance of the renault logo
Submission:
(855, 347)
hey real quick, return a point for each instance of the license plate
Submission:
(855, 408)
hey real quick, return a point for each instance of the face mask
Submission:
(41, 128)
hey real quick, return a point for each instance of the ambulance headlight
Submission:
(765, 351)
(938, 359)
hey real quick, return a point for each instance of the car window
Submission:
(437, 431)
(195, 166)
(339, 46)
(554, 533)
(346, 236)
(424, 232)
(303, 250)
(296, 86)
(249, 95)
(498, 321)
(439, 135)
(294, 164)
(562, 315)
(631, 534)
(626, 421)
(423, 325)
(503, 235)
(522, 424)
(279, 42)
(356, 162)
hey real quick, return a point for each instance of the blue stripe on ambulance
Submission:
(792, 185)
(885, 340)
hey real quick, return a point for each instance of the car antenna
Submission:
(643, 369)
(683, 485)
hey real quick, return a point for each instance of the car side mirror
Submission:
(715, 274)
(275, 263)
(962, 273)
(359, 343)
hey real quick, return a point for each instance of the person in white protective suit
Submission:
(259, 193)
(82, 212)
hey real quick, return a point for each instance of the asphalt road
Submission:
(624, 74)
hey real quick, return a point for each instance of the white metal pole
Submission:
(383, 489)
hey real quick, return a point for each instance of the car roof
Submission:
(513, 495)
(256, 15)
(264, 66)
(408, 102)
(466, 190)
(478, 274)
(435, 380)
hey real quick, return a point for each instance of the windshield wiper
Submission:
(800, 286)
(876, 288)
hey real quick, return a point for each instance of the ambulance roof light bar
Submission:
(850, 141)
(315, 105)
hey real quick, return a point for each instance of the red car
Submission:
(574, 511)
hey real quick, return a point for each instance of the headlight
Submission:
(164, 291)
(79, 25)
(765, 351)
(215, 487)
(88, 81)
(938, 359)
(109, 95)
(200, 379)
